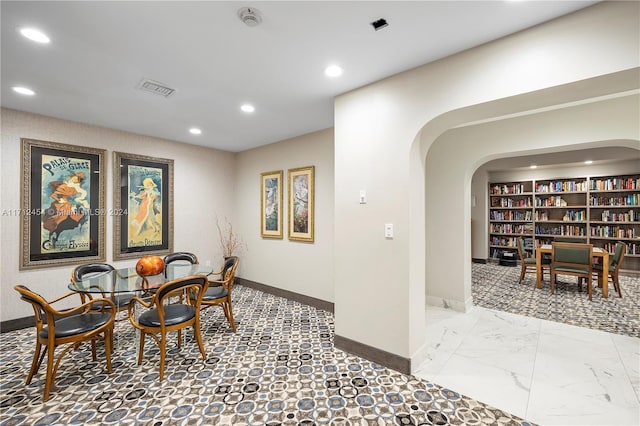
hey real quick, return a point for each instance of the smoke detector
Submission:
(250, 16)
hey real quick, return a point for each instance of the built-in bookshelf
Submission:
(599, 210)
(510, 215)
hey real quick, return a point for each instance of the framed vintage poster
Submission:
(62, 218)
(301, 203)
(143, 195)
(271, 204)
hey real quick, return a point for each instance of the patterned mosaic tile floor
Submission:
(280, 368)
(496, 287)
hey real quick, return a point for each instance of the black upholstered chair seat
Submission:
(216, 292)
(78, 324)
(173, 314)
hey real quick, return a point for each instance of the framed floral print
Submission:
(143, 197)
(271, 204)
(301, 203)
(62, 219)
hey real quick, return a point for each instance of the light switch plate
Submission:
(363, 196)
(388, 230)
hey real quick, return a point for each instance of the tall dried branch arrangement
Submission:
(230, 243)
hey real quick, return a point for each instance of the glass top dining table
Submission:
(127, 279)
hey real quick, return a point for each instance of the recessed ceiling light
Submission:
(24, 91)
(247, 108)
(588, 162)
(195, 131)
(35, 35)
(533, 166)
(333, 71)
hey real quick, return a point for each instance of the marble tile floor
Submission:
(547, 372)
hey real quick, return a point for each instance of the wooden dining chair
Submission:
(170, 311)
(572, 259)
(219, 291)
(615, 262)
(67, 327)
(120, 300)
(528, 263)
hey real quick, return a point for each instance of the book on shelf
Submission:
(629, 216)
(503, 189)
(615, 184)
(606, 231)
(561, 186)
(621, 200)
(574, 216)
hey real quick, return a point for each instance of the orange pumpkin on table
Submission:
(150, 265)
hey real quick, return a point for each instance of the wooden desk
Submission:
(597, 252)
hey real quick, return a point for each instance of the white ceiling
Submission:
(575, 158)
(100, 51)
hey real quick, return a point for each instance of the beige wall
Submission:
(384, 131)
(204, 184)
(301, 267)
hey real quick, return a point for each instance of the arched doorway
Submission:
(455, 155)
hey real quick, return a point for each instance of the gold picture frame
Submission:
(271, 204)
(62, 219)
(301, 197)
(143, 197)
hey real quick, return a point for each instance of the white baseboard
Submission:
(456, 305)
(418, 358)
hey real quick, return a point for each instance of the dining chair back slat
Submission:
(181, 256)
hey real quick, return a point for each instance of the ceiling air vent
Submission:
(155, 87)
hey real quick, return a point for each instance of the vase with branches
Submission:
(230, 242)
